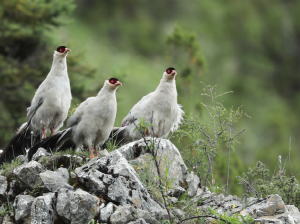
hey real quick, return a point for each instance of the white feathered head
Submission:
(170, 73)
(62, 51)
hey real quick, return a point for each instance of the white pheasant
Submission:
(51, 102)
(49, 107)
(159, 108)
(91, 122)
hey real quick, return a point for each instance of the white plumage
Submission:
(91, 122)
(49, 107)
(159, 108)
(53, 95)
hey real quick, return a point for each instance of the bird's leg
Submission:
(51, 129)
(44, 133)
(96, 152)
(91, 153)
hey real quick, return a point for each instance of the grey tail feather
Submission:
(51, 143)
(19, 142)
(14, 147)
(117, 136)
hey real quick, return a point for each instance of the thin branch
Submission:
(238, 134)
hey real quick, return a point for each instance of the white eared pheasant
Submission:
(159, 108)
(90, 124)
(49, 106)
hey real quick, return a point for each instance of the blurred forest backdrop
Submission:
(249, 47)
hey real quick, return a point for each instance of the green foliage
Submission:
(7, 207)
(183, 50)
(234, 219)
(255, 183)
(7, 168)
(93, 221)
(112, 145)
(142, 126)
(209, 136)
(26, 56)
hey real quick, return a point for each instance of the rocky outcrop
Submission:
(109, 190)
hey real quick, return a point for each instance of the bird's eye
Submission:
(113, 80)
(61, 49)
(169, 71)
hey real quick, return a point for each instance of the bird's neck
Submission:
(106, 90)
(167, 83)
(59, 66)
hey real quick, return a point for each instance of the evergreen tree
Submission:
(26, 57)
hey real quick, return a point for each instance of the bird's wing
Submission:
(33, 108)
(134, 113)
(76, 117)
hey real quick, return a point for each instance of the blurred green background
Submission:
(249, 47)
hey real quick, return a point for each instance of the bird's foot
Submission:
(92, 156)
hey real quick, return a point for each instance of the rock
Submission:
(230, 204)
(43, 209)
(165, 149)
(7, 219)
(176, 192)
(294, 212)
(272, 205)
(39, 153)
(122, 215)
(146, 216)
(22, 208)
(193, 183)
(29, 173)
(53, 180)
(106, 212)
(66, 161)
(77, 207)
(178, 213)
(3, 185)
(139, 221)
(15, 188)
(64, 173)
(103, 153)
(114, 179)
(172, 200)
(73, 175)
(22, 158)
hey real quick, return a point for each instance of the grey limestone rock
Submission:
(43, 209)
(29, 173)
(114, 178)
(7, 219)
(3, 185)
(106, 212)
(294, 212)
(22, 158)
(39, 153)
(122, 215)
(271, 206)
(53, 180)
(64, 173)
(103, 153)
(65, 161)
(176, 192)
(165, 149)
(139, 221)
(178, 213)
(22, 207)
(193, 183)
(77, 207)
(146, 216)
